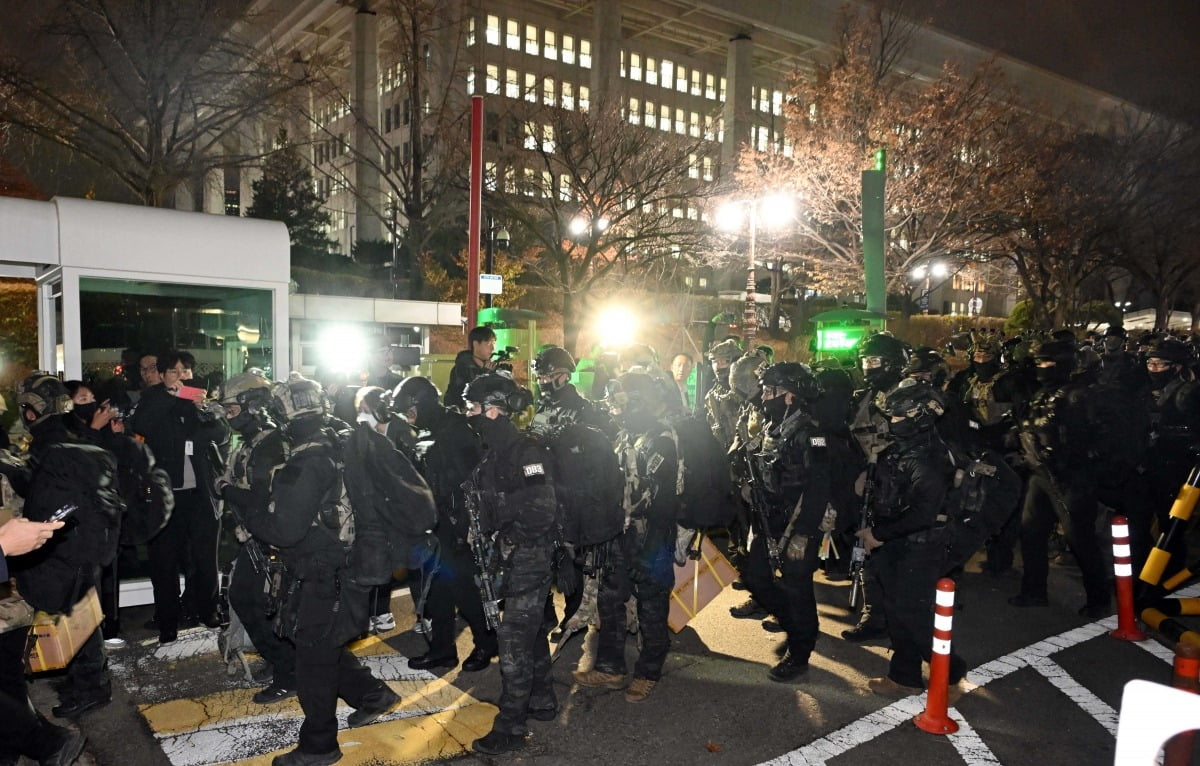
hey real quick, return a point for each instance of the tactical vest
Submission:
(980, 399)
(1043, 421)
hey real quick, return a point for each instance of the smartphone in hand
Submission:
(193, 393)
(62, 514)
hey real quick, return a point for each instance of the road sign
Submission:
(491, 284)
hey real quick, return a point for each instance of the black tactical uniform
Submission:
(794, 466)
(246, 489)
(518, 517)
(908, 537)
(323, 609)
(641, 563)
(447, 452)
(1055, 435)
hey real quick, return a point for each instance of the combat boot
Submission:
(598, 679)
(639, 689)
(497, 742)
(747, 610)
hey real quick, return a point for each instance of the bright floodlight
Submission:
(601, 224)
(776, 210)
(940, 270)
(343, 348)
(578, 226)
(729, 216)
(919, 272)
(617, 326)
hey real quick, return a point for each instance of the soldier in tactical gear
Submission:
(323, 609)
(722, 404)
(560, 403)
(246, 489)
(518, 518)
(448, 450)
(907, 538)
(1174, 410)
(796, 465)
(882, 358)
(1055, 436)
(641, 564)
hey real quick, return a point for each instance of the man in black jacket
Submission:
(447, 451)
(246, 489)
(471, 363)
(907, 540)
(514, 486)
(323, 608)
(188, 442)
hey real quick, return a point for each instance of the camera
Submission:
(503, 358)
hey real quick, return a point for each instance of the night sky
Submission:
(1145, 51)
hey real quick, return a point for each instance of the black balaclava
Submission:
(1054, 376)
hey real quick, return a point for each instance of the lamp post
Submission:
(924, 272)
(774, 210)
(497, 239)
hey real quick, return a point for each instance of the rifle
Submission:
(759, 509)
(483, 550)
(1038, 464)
(258, 559)
(858, 556)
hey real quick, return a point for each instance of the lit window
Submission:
(568, 49)
(710, 86)
(650, 113)
(547, 189)
(721, 98)
(470, 31)
(493, 30)
(694, 125)
(680, 124)
(585, 53)
(548, 91)
(635, 66)
(568, 95)
(584, 93)
(681, 81)
(708, 169)
(548, 141)
(668, 73)
(550, 46)
(651, 71)
(696, 82)
(512, 83)
(531, 83)
(624, 64)
(470, 91)
(693, 166)
(564, 187)
(531, 39)
(530, 142)
(512, 36)
(776, 102)
(762, 136)
(635, 111)
(709, 130)
(493, 79)
(664, 118)
(530, 182)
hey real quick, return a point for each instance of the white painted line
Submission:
(846, 738)
(1084, 698)
(970, 745)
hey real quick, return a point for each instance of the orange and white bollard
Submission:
(1178, 749)
(1127, 628)
(936, 718)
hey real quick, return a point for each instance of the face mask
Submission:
(775, 409)
(986, 369)
(723, 377)
(484, 426)
(242, 421)
(85, 411)
(368, 418)
(1113, 345)
(1158, 379)
(880, 378)
(903, 429)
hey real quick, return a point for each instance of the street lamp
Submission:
(924, 272)
(772, 211)
(579, 226)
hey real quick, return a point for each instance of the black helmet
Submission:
(794, 377)
(375, 400)
(1171, 350)
(1059, 351)
(44, 395)
(297, 398)
(927, 361)
(553, 360)
(634, 393)
(494, 389)
(916, 401)
(743, 374)
(888, 347)
(415, 392)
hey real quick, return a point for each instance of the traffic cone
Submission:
(1178, 749)
(936, 719)
(1127, 629)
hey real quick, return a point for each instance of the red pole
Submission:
(936, 718)
(1178, 750)
(1127, 628)
(475, 223)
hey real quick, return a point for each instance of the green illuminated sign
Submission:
(838, 338)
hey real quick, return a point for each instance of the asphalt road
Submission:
(1048, 687)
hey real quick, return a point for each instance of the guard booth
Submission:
(515, 329)
(838, 332)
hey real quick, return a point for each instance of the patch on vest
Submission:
(653, 464)
(817, 441)
(534, 469)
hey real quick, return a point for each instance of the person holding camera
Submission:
(470, 364)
